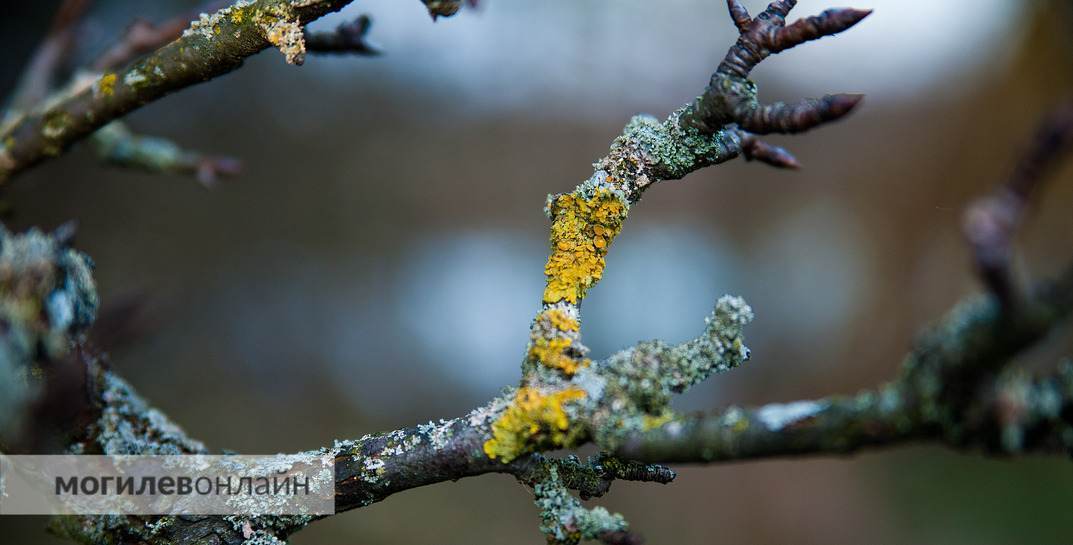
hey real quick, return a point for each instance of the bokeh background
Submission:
(379, 260)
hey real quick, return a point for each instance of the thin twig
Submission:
(991, 223)
(39, 78)
(348, 37)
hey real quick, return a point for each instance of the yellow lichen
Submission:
(106, 85)
(551, 339)
(533, 420)
(581, 232)
(552, 353)
(282, 28)
(560, 320)
(650, 422)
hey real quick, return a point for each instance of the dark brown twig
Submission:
(739, 14)
(40, 75)
(752, 148)
(731, 97)
(349, 37)
(446, 8)
(991, 223)
(621, 538)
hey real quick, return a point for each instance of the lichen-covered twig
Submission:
(142, 37)
(991, 223)
(118, 145)
(950, 390)
(953, 386)
(214, 45)
(566, 399)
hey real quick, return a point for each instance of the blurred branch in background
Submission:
(955, 387)
(37, 126)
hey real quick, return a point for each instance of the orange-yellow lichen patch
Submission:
(561, 320)
(650, 422)
(551, 339)
(551, 353)
(533, 420)
(581, 232)
(106, 85)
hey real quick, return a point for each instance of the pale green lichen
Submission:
(650, 150)
(207, 25)
(56, 124)
(564, 519)
(630, 392)
(116, 144)
(134, 78)
(439, 433)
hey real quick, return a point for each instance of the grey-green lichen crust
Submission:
(650, 150)
(564, 520)
(630, 392)
(47, 299)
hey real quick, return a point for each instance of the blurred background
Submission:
(378, 262)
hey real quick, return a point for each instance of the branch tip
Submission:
(990, 224)
(830, 22)
(740, 14)
(211, 169)
(800, 116)
(778, 9)
(348, 37)
(755, 149)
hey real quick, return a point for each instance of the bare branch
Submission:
(39, 77)
(752, 148)
(991, 223)
(740, 15)
(348, 37)
(731, 98)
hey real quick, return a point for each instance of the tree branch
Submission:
(348, 37)
(991, 222)
(938, 397)
(49, 59)
(952, 387)
(117, 145)
(212, 46)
